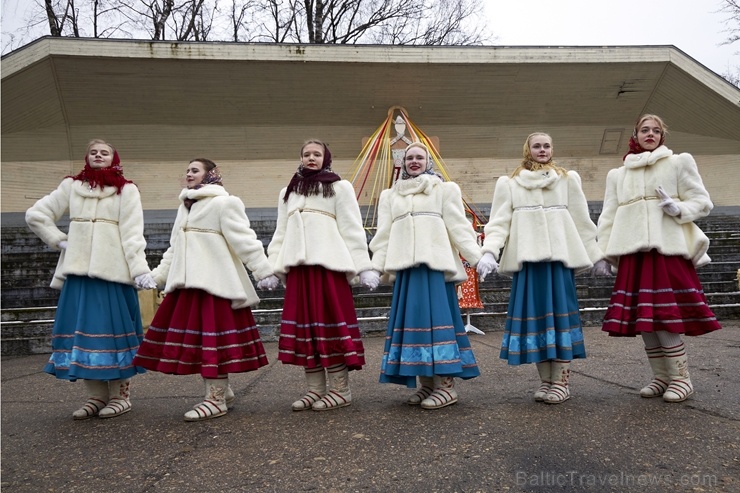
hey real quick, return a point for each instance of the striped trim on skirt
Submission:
(97, 330)
(319, 325)
(543, 321)
(658, 292)
(426, 335)
(195, 332)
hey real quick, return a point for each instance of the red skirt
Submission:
(657, 292)
(196, 332)
(319, 324)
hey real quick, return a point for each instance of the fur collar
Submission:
(420, 184)
(543, 178)
(646, 158)
(204, 192)
(83, 189)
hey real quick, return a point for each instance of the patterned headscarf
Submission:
(309, 181)
(430, 163)
(212, 177)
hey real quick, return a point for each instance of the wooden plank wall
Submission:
(258, 183)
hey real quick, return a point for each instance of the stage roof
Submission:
(160, 96)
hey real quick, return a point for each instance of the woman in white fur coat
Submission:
(422, 231)
(540, 218)
(97, 328)
(205, 325)
(320, 244)
(647, 231)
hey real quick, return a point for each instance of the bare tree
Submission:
(150, 15)
(732, 77)
(58, 13)
(193, 20)
(401, 22)
(732, 23)
(276, 21)
(85, 18)
(155, 19)
(426, 22)
(236, 17)
(444, 22)
(732, 28)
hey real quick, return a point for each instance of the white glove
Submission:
(63, 245)
(487, 265)
(668, 204)
(145, 281)
(601, 268)
(269, 283)
(370, 279)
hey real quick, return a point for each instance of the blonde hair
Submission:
(658, 120)
(99, 141)
(416, 144)
(430, 163)
(530, 164)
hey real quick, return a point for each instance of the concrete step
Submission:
(721, 267)
(30, 297)
(29, 304)
(27, 330)
(32, 289)
(716, 225)
(726, 258)
(34, 338)
(28, 314)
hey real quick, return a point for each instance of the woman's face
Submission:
(312, 156)
(540, 147)
(415, 161)
(649, 135)
(99, 156)
(195, 173)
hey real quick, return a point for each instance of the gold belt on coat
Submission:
(538, 207)
(314, 211)
(96, 220)
(412, 214)
(637, 199)
(203, 230)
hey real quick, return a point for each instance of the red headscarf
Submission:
(635, 148)
(112, 176)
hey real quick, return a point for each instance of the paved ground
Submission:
(606, 438)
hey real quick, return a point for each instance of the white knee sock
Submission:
(650, 339)
(668, 339)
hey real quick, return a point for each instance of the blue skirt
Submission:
(426, 335)
(97, 331)
(543, 322)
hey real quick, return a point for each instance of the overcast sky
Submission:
(693, 26)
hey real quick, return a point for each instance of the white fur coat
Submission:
(540, 216)
(422, 221)
(106, 231)
(209, 245)
(314, 230)
(631, 220)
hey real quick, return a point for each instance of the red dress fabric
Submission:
(656, 292)
(194, 332)
(468, 295)
(319, 324)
